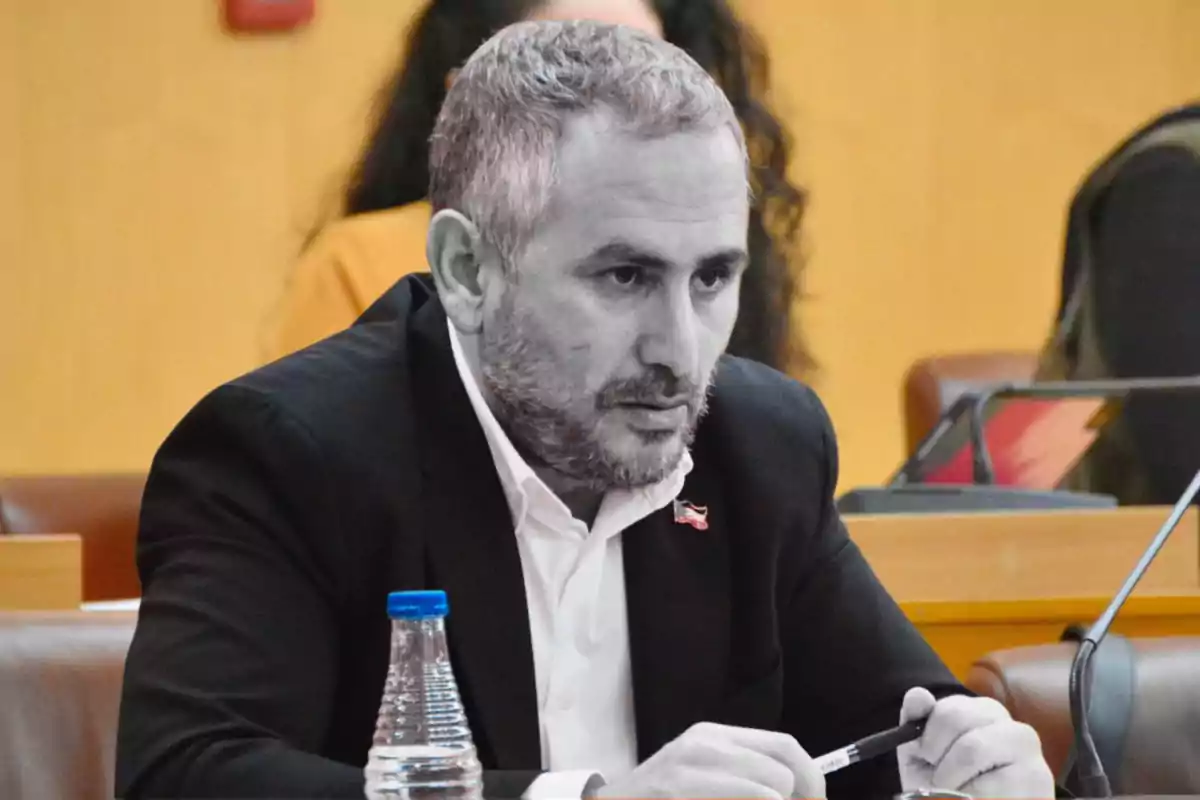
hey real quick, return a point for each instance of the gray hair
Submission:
(494, 148)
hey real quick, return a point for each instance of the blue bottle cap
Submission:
(417, 604)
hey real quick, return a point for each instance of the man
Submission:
(639, 590)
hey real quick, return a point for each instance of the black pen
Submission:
(874, 745)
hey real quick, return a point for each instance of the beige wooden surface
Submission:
(43, 572)
(1024, 555)
(962, 632)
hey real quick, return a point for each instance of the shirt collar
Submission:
(521, 484)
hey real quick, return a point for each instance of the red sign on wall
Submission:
(255, 16)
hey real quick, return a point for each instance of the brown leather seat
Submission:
(932, 384)
(102, 509)
(1162, 744)
(60, 689)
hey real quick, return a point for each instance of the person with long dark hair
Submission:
(350, 262)
(1129, 307)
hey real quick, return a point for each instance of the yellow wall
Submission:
(942, 140)
(156, 175)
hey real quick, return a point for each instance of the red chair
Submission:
(933, 384)
(1161, 746)
(101, 509)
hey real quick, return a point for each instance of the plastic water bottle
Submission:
(422, 746)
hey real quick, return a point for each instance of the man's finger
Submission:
(758, 768)
(721, 786)
(994, 748)
(918, 703)
(951, 719)
(1017, 781)
(779, 746)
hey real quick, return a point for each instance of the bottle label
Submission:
(416, 751)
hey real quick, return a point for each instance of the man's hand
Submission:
(972, 745)
(710, 760)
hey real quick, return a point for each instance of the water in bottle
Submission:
(422, 746)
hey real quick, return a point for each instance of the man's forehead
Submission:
(614, 177)
(681, 195)
(598, 147)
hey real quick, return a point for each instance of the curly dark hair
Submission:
(394, 168)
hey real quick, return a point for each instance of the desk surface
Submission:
(41, 572)
(1023, 555)
(974, 583)
(1180, 605)
(962, 632)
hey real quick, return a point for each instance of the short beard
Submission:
(546, 419)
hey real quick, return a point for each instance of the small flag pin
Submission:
(688, 514)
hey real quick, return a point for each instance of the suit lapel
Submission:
(676, 578)
(474, 556)
(677, 595)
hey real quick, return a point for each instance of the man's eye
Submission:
(713, 278)
(626, 276)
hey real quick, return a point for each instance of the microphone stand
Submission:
(1093, 782)
(983, 471)
(908, 491)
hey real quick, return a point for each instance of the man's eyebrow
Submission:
(632, 255)
(733, 257)
(625, 253)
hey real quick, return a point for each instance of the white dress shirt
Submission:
(575, 592)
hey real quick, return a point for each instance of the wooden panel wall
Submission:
(942, 140)
(157, 176)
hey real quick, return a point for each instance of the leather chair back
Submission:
(102, 509)
(1161, 750)
(60, 690)
(932, 384)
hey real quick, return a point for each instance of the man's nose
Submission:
(670, 333)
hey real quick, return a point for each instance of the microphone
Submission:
(907, 491)
(1092, 779)
(982, 467)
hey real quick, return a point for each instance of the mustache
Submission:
(658, 387)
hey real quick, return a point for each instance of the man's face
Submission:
(598, 350)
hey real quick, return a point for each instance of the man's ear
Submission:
(454, 250)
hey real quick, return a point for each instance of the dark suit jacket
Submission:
(288, 503)
(1147, 306)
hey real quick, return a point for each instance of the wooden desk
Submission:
(1024, 555)
(974, 583)
(41, 573)
(961, 632)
